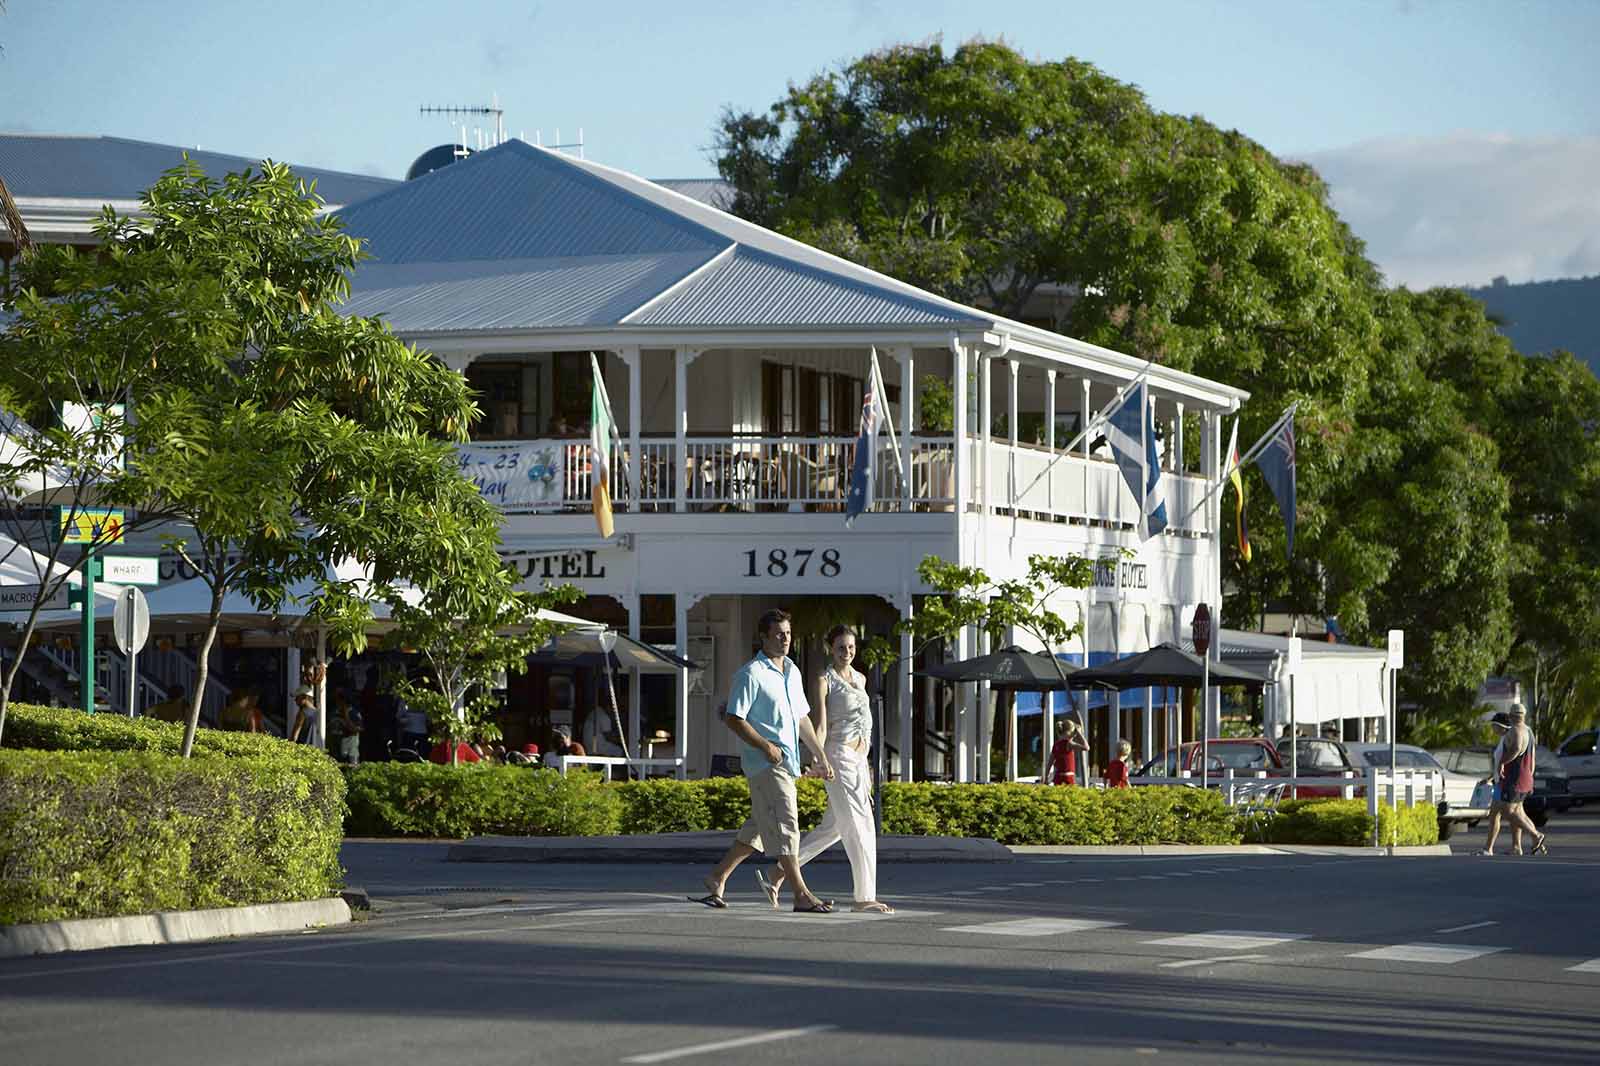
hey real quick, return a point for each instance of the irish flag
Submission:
(601, 434)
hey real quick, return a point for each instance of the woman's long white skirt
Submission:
(848, 818)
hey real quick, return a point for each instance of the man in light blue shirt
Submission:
(768, 711)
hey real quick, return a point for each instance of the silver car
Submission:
(1580, 757)
(1459, 804)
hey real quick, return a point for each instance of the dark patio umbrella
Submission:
(1011, 668)
(1162, 665)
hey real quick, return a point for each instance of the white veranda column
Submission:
(908, 396)
(904, 684)
(680, 629)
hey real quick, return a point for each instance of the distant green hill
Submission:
(1540, 316)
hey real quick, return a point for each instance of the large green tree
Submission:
(276, 435)
(982, 175)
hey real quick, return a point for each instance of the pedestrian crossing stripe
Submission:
(1032, 927)
(1228, 940)
(1592, 966)
(1435, 954)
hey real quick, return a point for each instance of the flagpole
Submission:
(1093, 424)
(880, 395)
(605, 398)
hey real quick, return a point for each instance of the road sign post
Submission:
(130, 624)
(85, 595)
(1201, 628)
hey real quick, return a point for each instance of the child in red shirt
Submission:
(1116, 773)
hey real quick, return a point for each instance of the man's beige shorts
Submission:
(773, 827)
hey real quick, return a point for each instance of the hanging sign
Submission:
(524, 476)
(90, 525)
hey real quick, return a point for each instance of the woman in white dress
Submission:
(841, 712)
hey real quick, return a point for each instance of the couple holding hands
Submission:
(769, 711)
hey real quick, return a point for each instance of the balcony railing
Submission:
(783, 474)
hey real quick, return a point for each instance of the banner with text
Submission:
(524, 476)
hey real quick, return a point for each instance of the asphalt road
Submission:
(1315, 959)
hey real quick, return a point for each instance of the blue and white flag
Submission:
(862, 479)
(1131, 432)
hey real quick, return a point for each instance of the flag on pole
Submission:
(1238, 491)
(601, 433)
(1131, 432)
(1277, 462)
(863, 488)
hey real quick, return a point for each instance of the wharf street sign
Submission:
(131, 570)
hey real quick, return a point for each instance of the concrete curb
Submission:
(1177, 850)
(705, 849)
(169, 927)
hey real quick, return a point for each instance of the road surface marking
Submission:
(1153, 877)
(1185, 963)
(965, 892)
(1229, 940)
(1027, 884)
(842, 914)
(1592, 966)
(1464, 928)
(1438, 954)
(1032, 927)
(728, 1045)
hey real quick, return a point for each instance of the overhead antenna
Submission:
(492, 108)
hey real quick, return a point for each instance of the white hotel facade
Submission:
(735, 359)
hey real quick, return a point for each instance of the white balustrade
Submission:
(786, 473)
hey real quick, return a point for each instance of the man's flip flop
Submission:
(821, 906)
(768, 889)
(714, 901)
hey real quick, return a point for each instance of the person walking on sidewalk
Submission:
(767, 709)
(842, 716)
(1513, 770)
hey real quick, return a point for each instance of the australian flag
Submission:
(1277, 466)
(862, 488)
(1131, 432)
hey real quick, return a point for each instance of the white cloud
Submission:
(1462, 209)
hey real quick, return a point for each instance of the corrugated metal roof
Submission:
(515, 201)
(751, 288)
(115, 168)
(530, 294)
(713, 191)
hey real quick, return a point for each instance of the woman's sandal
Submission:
(768, 889)
(1539, 848)
(714, 901)
(816, 906)
(875, 906)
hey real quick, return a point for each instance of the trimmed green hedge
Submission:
(98, 818)
(1034, 814)
(411, 799)
(422, 799)
(1346, 823)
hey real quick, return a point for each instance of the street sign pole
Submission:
(86, 669)
(1202, 645)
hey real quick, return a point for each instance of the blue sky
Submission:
(1458, 134)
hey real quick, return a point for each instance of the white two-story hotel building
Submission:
(735, 360)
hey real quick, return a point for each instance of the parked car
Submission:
(1243, 755)
(1551, 788)
(1580, 756)
(1457, 805)
(1247, 756)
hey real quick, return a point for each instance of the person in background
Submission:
(1512, 765)
(465, 752)
(1064, 755)
(412, 723)
(1116, 773)
(305, 716)
(172, 709)
(561, 745)
(242, 712)
(347, 721)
